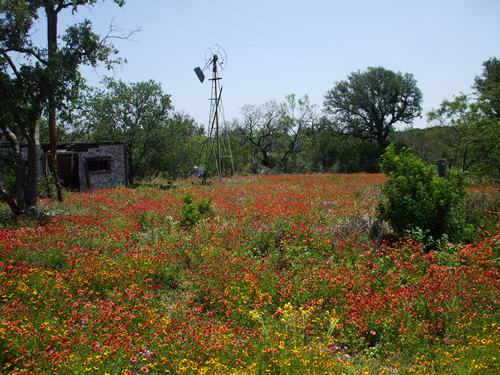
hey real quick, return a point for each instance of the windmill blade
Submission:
(199, 74)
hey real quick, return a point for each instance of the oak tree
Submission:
(369, 104)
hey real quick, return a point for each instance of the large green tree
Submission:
(368, 104)
(175, 150)
(45, 77)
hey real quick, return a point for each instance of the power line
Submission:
(366, 59)
(224, 36)
(270, 34)
(302, 33)
(230, 38)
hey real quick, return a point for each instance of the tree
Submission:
(259, 128)
(476, 124)
(276, 131)
(297, 116)
(135, 113)
(474, 147)
(328, 150)
(178, 141)
(430, 144)
(52, 72)
(21, 101)
(487, 87)
(61, 65)
(369, 104)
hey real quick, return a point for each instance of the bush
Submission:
(415, 197)
(193, 211)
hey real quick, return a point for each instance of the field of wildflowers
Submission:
(116, 281)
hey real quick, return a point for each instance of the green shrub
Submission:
(46, 186)
(193, 211)
(415, 197)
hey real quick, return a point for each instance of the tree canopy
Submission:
(368, 104)
(141, 115)
(487, 86)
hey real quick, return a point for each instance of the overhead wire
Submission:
(299, 32)
(324, 49)
(225, 36)
(308, 59)
(324, 45)
(280, 36)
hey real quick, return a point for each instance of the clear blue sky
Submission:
(279, 47)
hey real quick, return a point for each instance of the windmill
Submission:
(217, 144)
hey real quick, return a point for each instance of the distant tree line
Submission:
(356, 123)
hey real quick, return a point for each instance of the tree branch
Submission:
(29, 51)
(62, 5)
(10, 62)
(11, 137)
(115, 32)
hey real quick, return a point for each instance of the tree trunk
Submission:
(33, 164)
(464, 160)
(5, 196)
(131, 165)
(16, 201)
(266, 160)
(52, 49)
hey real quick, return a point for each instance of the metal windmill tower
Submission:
(217, 145)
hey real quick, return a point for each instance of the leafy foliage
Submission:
(487, 86)
(194, 210)
(369, 104)
(416, 198)
(140, 114)
(475, 125)
(472, 138)
(328, 150)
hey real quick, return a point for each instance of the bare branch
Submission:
(115, 32)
